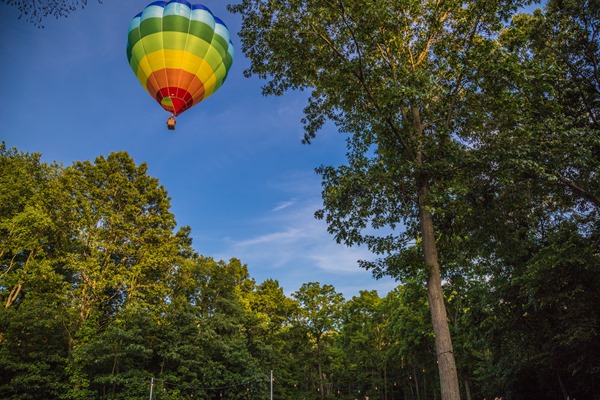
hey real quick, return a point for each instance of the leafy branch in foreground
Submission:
(35, 11)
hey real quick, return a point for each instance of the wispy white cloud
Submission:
(294, 247)
(283, 205)
(289, 236)
(337, 258)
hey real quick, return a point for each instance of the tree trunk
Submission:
(468, 389)
(417, 383)
(12, 296)
(321, 379)
(563, 389)
(385, 383)
(443, 342)
(14, 293)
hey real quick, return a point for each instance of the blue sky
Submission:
(235, 168)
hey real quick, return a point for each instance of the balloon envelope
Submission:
(181, 53)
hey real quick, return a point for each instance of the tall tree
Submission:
(121, 251)
(34, 314)
(391, 74)
(364, 344)
(123, 240)
(204, 348)
(411, 342)
(536, 146)
(271, 337)
(320, 313)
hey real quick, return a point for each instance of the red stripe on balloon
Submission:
(189, 89)
(181, 98)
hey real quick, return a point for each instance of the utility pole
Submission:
(151, 386)
(271, 384)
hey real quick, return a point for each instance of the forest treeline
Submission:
(102, 296)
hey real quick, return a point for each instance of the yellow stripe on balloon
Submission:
(210, 53)
(176, 59)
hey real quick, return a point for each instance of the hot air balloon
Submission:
(180, 52)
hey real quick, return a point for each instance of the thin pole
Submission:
(151, 386)
(271, 385)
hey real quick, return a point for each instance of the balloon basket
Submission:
(171, 123)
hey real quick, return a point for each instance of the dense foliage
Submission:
(103, 298)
